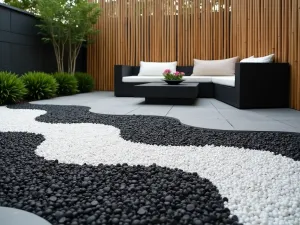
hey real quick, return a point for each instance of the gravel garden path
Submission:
(71, 166)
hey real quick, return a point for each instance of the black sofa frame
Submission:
(257, 85)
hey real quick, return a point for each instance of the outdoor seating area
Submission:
(149, 112)
(253, 85)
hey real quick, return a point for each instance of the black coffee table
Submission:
(184, 93)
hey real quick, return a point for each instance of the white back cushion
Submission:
(247, 59)
(156, 68)
(224, 67)
(265, 59)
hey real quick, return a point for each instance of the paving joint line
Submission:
(133, 110)
(221, 114)
(169, 110)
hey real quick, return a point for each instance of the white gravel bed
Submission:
(262, 188)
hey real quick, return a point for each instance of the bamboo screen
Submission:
(181, 30)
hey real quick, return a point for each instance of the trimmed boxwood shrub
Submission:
(67, 84)
(39, 85)
(12, 89)
(85, 82)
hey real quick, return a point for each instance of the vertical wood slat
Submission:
(170, 30)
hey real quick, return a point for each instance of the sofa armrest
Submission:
(120, 71)
(262, 84)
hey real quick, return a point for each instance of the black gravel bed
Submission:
(169, 131)
(105, 194)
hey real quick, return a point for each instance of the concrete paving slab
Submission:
(158, 110)
(204, 103)
(292, 122)
(280, 114)
(262, 126)
(220, 124)
(206, 113)
(200, 114)
(116, 110)
(220, 105)
(243, 115)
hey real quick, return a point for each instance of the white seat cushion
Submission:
(143, 79)
(225, 67)
(156, 68)
(156, 79)
(228, 80)
(197, 79)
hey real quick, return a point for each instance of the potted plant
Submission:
(173, 78)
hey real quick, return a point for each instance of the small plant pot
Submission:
(173, 82)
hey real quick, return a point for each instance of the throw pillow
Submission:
(247, 59)
(156, 68)
(265, 59)
(224, 67)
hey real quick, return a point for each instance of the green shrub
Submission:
(67, 84)
(39, 85)
(85, 82)
(12, 89)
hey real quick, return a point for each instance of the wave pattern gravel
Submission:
(103, 194)
(262, 186)
(169, 131)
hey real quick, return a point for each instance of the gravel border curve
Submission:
(170, 131)
(105, 194)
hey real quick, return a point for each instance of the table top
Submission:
(181, 85)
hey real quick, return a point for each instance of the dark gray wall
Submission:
(21, 48)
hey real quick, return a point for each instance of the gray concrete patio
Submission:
(207, 113)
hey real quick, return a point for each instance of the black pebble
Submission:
(53, 198)
(197, 222)
(94, 203)
(235, 218)
(190, 207)
(115, 221)
(169, 198)
(142, 211)
(91, 219)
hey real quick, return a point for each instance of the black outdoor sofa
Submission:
(257, 85)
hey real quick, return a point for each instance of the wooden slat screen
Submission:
(181, 30)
